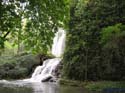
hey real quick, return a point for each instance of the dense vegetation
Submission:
(95, 42)
(19, 66)
(95, 37)
(30, 24)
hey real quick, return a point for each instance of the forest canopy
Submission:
(32, 23)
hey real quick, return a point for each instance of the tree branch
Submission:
(6, 34)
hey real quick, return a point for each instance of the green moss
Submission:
(72, 82)
(98, 86)
(93, 86)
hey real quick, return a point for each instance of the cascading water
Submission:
(47, 70)
(59, 43)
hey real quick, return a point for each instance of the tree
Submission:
(42, 19)
(8, 19)
(86, 23)
(113, 52)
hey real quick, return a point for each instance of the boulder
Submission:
(47, 78)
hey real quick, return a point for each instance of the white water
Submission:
(59, 43)
(47, 70)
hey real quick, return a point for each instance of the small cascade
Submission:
(47, 70)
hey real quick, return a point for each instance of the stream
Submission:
(47, 87)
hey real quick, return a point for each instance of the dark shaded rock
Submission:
(47, 78)
(53, 80)
(42, 57)
(57, 72)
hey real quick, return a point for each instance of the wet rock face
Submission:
(56, 73)
(58, 70)
(42, 57)
(48, 78)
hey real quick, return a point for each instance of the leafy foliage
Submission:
(113, 52)
(16, 67)
(111, 31)
(85, 57)
(32, 23)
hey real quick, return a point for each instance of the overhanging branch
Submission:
(6, 34)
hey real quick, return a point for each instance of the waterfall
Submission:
(47, 70)
(59, 43)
